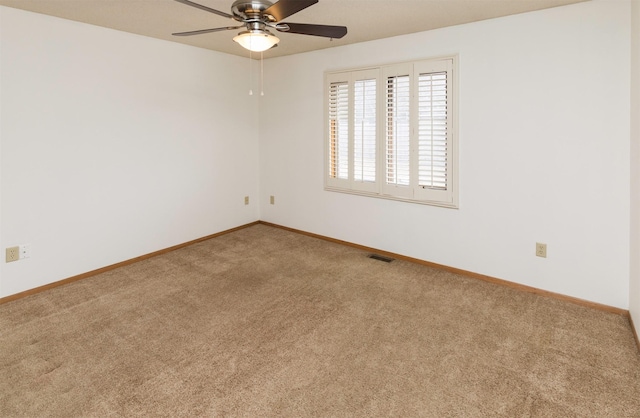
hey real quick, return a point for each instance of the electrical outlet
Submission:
(246, 200)
(13, 254)
(541, 250)
(272, 200)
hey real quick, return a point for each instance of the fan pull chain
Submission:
(261, 74)
(250, 74)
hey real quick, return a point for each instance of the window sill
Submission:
(449, 205)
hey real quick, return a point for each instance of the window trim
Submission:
(380, 188)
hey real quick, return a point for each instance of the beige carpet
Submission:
(266, 322)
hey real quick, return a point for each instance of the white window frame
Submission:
(446, 196)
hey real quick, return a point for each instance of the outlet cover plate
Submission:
(25, 251)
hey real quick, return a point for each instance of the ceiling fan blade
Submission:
(327, 31)
(205, 8)
(200, 32)
(285, 8)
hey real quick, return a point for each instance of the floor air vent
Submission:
(380, 258)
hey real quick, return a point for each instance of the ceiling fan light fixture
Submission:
(256, 40)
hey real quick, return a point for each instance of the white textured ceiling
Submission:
(365, 19)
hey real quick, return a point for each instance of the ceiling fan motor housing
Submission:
(247, 10)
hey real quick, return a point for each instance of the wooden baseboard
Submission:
(501, 282)
(117, 265)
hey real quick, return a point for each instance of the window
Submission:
(391, 132)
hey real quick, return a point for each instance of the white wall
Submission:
(544, 151)
(115, 145)
(634, 277)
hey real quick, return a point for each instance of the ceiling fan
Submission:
(258, 15)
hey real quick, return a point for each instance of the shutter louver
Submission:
(365, 126)
(398, 130)
(339, 130)
(432, 131)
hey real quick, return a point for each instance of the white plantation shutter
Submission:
(397, 135)
(365, 130)
(434, 130)
(352, 130)
(391, 132)
(398, 131)
(339, 130)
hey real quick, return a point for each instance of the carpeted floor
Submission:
(266, 322)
